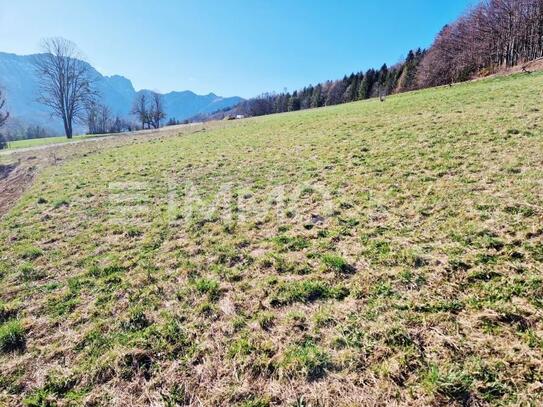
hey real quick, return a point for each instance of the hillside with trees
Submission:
(489, 37)
(357, 86)
(494, 35)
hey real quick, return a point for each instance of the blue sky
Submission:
(229, 47)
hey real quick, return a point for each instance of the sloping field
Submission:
(365, 254)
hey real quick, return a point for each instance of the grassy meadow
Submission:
(17, 144)
(362, 254)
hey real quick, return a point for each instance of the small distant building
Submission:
(232, 117)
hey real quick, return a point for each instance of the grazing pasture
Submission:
(363, 254)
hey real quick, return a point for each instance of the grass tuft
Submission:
(337, 264)
(288, 292)
(209, 287)
(307, 360)
(12, 336)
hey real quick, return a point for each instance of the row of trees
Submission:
(100, 120)
(357, 86)
(149, 109)
(67, 86)
(493, 35)
(30, 132)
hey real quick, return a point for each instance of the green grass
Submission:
(336, 263)
(306, 360)
(209, 287)
(352, 255)
(305, 291)
(12, 336)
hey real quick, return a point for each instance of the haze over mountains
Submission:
(18, 79)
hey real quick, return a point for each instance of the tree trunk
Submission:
(67, 128)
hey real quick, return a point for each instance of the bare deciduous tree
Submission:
(156, 112)
(495, 34)
(65, 81)
(3, 114)
(3, 119)
(106, 119)
(140, 110)
(99, 118)
(335, 93)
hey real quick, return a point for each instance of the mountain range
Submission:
(20, 82)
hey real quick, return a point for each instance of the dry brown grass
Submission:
(403, 269)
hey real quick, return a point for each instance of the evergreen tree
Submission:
(350, 88)
(351, 94)
(294, 102)
(407, 78)
(383, 73)
(316, 97)
(366, 87)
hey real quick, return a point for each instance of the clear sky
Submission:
(232, 47)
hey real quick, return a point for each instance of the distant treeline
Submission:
(16, 130)
(493, 35)
(357, 86)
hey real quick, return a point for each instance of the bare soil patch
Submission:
(14, 179)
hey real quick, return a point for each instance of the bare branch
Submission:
(66, 81)
(3, 115)
(140, 110)
(157, 113)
